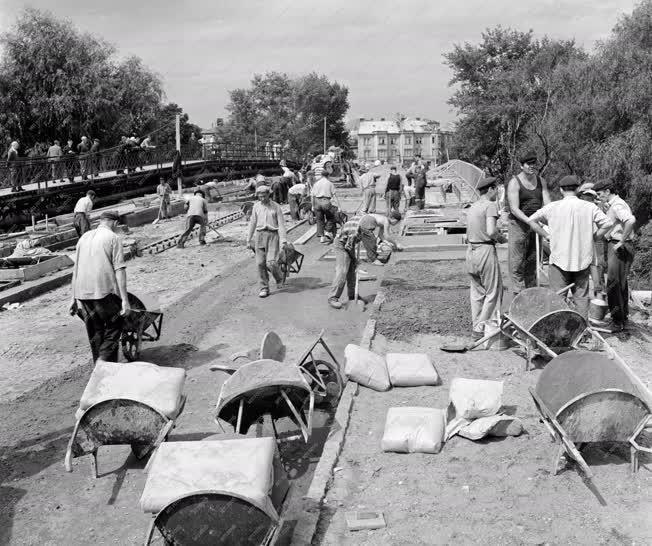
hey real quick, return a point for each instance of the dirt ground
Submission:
(493, 491)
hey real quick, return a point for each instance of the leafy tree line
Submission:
(58, 83)
(588, 114)
(277, 108)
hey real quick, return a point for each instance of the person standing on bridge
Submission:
(14, 167)
(82, 212)
(83, 148)
(527, 192)
(69, 160)
(267, 234)
(95, 157)
(196, 215)
(54, 157)
(99, 287)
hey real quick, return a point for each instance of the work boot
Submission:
(264, 292)
(335, 304)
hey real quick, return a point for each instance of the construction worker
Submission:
(163, 190)
(267, 234)
(295, 196)
(572, 223)
(620, 252)
(368, 225)
(482, 263)
(368, 187)
(393, 190)
(196, 215)
(420, 183)
(344, 248)
(527, 192)
(322, 193)
(82, 213)
(597, 266)
(99, 287)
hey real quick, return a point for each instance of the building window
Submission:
(417, 140)
(408, 152)
(434, 140)
(382, 153)
(392, 141)
(367, 141)
(381, 141)
(408, 140)
(367, 154)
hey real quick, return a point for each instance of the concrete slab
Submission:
(37, 270)
(31, 289)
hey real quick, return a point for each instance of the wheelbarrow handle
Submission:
(565, 289)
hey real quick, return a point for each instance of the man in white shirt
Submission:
(267, 234)
(295, 195)
(54, 156)
(287, 180)
(323, 191)
(82, 212)
(620, 252)
(196, 215)
(99, 287)
(368, 187)
(572, 222)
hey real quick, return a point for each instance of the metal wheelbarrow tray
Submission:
(140, 325)
(226, 492)
(586, 397)
(129, 403)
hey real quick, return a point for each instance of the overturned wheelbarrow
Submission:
(585, 397)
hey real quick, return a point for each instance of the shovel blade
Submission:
(453, 348)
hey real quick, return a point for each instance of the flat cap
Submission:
(198, 190)
(110, 215)
(486, 182)
(604, 184)
(529, 157)
(589, 192)
(263, 189)
(569, 181)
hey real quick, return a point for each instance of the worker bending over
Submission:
(266, 233)
(82, 213)
(482, 262)
(368, 225)
(344, 248)
(573, 224)
(196, 215)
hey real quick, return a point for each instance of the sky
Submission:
(388, 53)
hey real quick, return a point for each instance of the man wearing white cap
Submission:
(322, 194)
(368, 187)
(266, 234)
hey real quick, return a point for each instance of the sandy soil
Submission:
(495, 491)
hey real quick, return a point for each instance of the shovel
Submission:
(460, 348)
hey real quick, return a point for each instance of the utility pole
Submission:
(177, 127)
(324, 134)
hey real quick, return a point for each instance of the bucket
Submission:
(499, 343)
(598, 309)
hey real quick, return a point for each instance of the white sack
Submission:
(496, 425)
(366, 368)
(473, 398)
(414, 430)
(411, 370)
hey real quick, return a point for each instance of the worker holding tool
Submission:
(163, 190)
(196, 215)
(267, 234)
(368, 225)
(573, 225)
(82, 213)
(344, 248)
(322, 193)
(368, 187)
(527, 192)
(482, 262)
(620, 252)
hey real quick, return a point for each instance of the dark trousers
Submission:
(618, 264)
(393, 200)
(345, 264)
(277, 191)
(522, 256)
(103, 326)
(324, 216)
(295, 201)
(191, 222)
(81, 223)
(370, 243)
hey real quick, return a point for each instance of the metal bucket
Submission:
(598, 309)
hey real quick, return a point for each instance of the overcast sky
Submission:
(389, 54)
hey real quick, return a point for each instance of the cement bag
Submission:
(414, 430)
(473, 398)
(366, 368)
(411, 370)
(495, 425)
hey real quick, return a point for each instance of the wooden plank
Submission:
(306, 236)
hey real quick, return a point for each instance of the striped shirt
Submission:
(350, 233)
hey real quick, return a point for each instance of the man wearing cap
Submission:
(83, 148)
(420, 183)
(196, 215)
(483, 267)
(322, 193)
(267, 234)
(163, 190)
(620, 252)
(82, 213)
(393, 190)
(99, 287)
(368, 187)
(527, 192)
(572, 223)
(344, 249)
(368, 225)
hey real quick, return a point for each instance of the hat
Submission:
(529, 157)
(261, 189)
(110, 215)
(604, 184)
(198, 190)
(569, 181)
(589, 192)
(585, 186)
(486, 182)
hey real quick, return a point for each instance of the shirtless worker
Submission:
(527, 192)
(482, 262)
(368, 225)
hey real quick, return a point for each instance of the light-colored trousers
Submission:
(369, 196)
(486, 285)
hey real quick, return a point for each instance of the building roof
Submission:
(368, 127)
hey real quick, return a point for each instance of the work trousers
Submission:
(84, 165)
(295, 200)
(370, 243)
(14, 177)
(81, 223)
(267, 248)
(598, 265)
(103, 326)
(618, 265)
(393, 198)
(56, 170)
(324, 216)
(287, 184)
(345, 264)
(277, 191)
(521, 255)
(420, 195)
(163, 207)
(486, 285)
(191, 222)
(559, 278)
(369, 196)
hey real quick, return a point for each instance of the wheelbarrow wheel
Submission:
(131, 341)
(325, 381)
